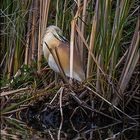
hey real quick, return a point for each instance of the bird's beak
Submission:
(60, 37)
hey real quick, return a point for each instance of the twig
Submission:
(101, 128)
(16, 110)
(55, 95)
(3, 60)
(13, 91)
(110, 104)
(131, 96)
(71, 120)
(114, 136)
(61, 112)
(51, 135)
(83, 104)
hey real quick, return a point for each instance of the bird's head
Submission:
(52, 37)
(54, 32)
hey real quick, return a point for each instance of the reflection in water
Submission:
(43, 121)
(16, 129)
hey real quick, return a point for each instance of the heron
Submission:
(56, 48)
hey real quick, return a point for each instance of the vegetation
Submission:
(107, 35)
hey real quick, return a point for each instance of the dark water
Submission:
(45, 122)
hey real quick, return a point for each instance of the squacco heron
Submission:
(56, 45)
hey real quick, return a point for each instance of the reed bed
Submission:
(105, 32)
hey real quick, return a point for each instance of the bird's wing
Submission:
(62, 55)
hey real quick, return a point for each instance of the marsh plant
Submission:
(106, 33)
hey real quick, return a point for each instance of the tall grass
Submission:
(98, 29)
(13, 28)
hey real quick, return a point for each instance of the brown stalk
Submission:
(130, 64)
(73, 24)
(46, 5)
(40, 36)
(92, 38)
(109, 103)
(90, 52)
(34, 17)
(98, 77)
(122, 59)
(61, 112)
(57, 11)
(27, 50)
(64, 10)
(85, 105)
(79, 23)
(83, 28)
(11, 59)
(44, 8)
(6, 93)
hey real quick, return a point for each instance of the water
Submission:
(76, 123)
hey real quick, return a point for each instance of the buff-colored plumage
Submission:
(60, 49)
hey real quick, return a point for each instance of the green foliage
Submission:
(26, 77)
(14, 15)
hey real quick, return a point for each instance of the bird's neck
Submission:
(51, 41)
